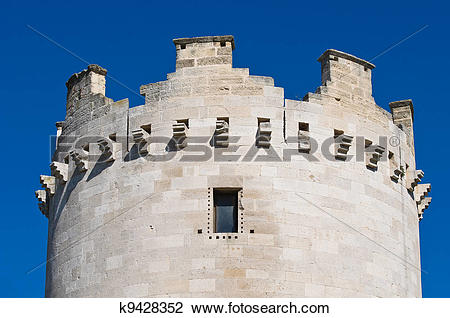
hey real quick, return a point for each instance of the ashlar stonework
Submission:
(145, 228)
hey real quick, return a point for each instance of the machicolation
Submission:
(218, 186)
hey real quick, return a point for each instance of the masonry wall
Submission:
(144, 216)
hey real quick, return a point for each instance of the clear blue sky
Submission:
(278, 38)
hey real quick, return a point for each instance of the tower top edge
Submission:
(331, 52)
(402, 103)
(91, 68)
(205, 39)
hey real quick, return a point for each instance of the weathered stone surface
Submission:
(41, 195)
(153, 220)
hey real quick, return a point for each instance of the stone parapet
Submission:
(151, 222)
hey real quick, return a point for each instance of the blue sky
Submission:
(281, 39)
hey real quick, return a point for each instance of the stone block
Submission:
(154, 220)
(202, 285)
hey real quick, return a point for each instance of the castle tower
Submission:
(218, 186)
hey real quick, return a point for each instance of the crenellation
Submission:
(204, 51)
(346, 73)
(172, 205)
(88, 82)
(403, 117)
(86, 98)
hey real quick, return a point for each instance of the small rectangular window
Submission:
(226, 210)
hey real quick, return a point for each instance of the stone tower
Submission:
(218, 186)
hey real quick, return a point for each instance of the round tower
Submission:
(218, 186)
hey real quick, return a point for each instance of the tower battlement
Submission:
(251, 216)
(204, 51)
(86, 98)
(85, 83)
(346, 73)
(403, 116)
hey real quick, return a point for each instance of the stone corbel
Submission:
(139, 138)
(179, 130)
(264, 134)
(372, 157)
(424, 204)
(80, 157)
(48, 183)
(342, 144)
(421, 191)
(304, 144)
(396, 173)
(59, 170)
(221, 133)
(414, 178)
(41, 195)
(108, 149)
